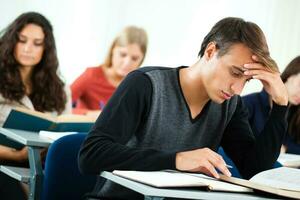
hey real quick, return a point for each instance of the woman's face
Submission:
(126, 59)
(293, 87)
(30, 46)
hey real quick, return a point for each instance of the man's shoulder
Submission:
(139, 78)
(152, 68)
(142, 74)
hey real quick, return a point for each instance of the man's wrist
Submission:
(281, 101)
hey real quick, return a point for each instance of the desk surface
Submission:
(179, 193)
(19, 173)
(27, 138)
(34, 175)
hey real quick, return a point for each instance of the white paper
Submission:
(54, 135)
(178, 179)
(289, 160)
(282, 178)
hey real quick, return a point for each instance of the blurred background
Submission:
(84, 29)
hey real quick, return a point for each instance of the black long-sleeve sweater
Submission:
(147, 121)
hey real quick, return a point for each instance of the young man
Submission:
(176, 118)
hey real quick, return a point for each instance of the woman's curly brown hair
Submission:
(47, 88)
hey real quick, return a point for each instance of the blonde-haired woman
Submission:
(92, 89)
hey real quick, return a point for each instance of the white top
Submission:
(6, 105)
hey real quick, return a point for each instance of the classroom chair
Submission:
(234, 171)
(62, 178)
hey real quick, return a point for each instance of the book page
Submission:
(289, 160)
(217, 185)
(76, 118)
(170, 178)
(54, 135)
(281, 178)
(160, 178)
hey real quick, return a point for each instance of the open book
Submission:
(282, 181)
(25, 119)
(289, 160)
(170, 178)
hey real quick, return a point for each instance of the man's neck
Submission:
(193, 88)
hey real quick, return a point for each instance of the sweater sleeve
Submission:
(122, 118)
(253, 155)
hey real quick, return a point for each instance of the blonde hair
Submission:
(129, 35)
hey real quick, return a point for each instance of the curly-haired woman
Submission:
(28, 78)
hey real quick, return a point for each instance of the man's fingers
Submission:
(224, 170)
(254, 72)
(202, 160)
(221, 166)
(265, 79)
(217, 161)
(210, 170)
(254, 65)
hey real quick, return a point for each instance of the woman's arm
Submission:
(11, 154)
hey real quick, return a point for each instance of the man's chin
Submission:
(218, 100)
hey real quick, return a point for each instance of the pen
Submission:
(229, 166)
(101, 105)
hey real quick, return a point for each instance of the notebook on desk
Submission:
(172, 179)
(55, 135)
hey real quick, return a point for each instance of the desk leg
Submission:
(153, 198)
(36, 173)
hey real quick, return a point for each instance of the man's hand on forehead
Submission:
(269, 78)
(259, 65)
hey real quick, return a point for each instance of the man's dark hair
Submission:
(232, 30)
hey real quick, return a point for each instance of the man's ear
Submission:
(210, 51)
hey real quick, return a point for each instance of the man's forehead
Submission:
(240, 52)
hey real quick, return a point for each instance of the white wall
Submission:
(84, 29)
